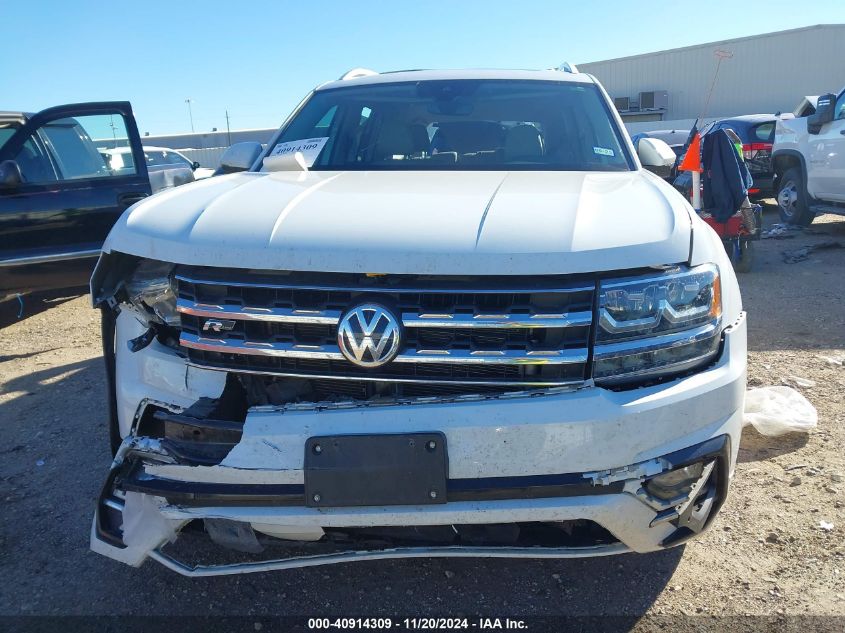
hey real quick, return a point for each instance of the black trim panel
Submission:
(197, 494)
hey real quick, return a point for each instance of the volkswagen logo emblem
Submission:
(368, 335)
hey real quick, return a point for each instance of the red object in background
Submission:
(732, 228)
(756, 150)
(692, 159)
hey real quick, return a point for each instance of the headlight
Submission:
(150, 291)
(654, 326)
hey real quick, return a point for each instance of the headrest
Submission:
(523, 141)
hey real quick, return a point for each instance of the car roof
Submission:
(440, 75)
(146, 148)
(750, 118)
(12, 115)
(670, 136)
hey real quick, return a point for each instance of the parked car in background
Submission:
(809, 162)
(59, 197)
(166, 167)
(675, 139)
(163, 156)
(757, 133)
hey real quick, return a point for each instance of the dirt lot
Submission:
(766, 553)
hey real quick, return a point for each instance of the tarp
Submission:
(726, 178)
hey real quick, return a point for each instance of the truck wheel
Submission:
(792, 199)
(744, 259)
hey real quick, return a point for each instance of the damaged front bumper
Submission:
(555, 474)
(551, 516)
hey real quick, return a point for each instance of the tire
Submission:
(745, 260)
(792, 200)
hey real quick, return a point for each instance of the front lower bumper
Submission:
(552, 458)
(617, 501)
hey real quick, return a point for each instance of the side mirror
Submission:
(195, 165)
(10, 175)
(824, 113)
(656, 156)
(239, 157)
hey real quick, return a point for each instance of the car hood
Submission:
(415, 222)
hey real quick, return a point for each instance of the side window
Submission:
(74, 148)
(765, 133)
(155, 159)
(840, 106)
(34, 162)
(121, 162)
(174, 159)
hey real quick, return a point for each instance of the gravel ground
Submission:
(766, 554)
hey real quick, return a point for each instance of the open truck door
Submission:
(60, 194)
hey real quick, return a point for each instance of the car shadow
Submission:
(20, 308)
(11, 357)
(624, 585)
(59, 444)
(620, 586)
(43, 382)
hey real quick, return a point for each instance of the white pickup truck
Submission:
(442, 314)
(808, 157)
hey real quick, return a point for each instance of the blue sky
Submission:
(258, 59)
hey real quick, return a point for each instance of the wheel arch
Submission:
(787, 159)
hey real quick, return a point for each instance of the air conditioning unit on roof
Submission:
(623, 104)
(654, 100)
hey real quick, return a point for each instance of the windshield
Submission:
(457, 124)
(164, 158)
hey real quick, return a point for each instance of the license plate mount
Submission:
(375, 470)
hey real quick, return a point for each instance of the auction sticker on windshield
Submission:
(309, 147)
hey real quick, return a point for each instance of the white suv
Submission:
(809, 162)
(442, 314)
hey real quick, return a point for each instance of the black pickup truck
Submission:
(59, 196)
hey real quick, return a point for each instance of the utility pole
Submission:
(113, 129)
(190, 113)
(228, 132)
(720, 55)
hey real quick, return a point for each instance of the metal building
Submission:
(758, 74)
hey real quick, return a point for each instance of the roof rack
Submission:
(566, 67)
(355, 73)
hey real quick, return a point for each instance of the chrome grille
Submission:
(485, 331)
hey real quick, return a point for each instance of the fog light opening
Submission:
(691, 513)
(677, 483)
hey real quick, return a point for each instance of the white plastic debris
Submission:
(824, 525)
(778, 410)
(834, 360)
(802, 382)
(143, 525)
